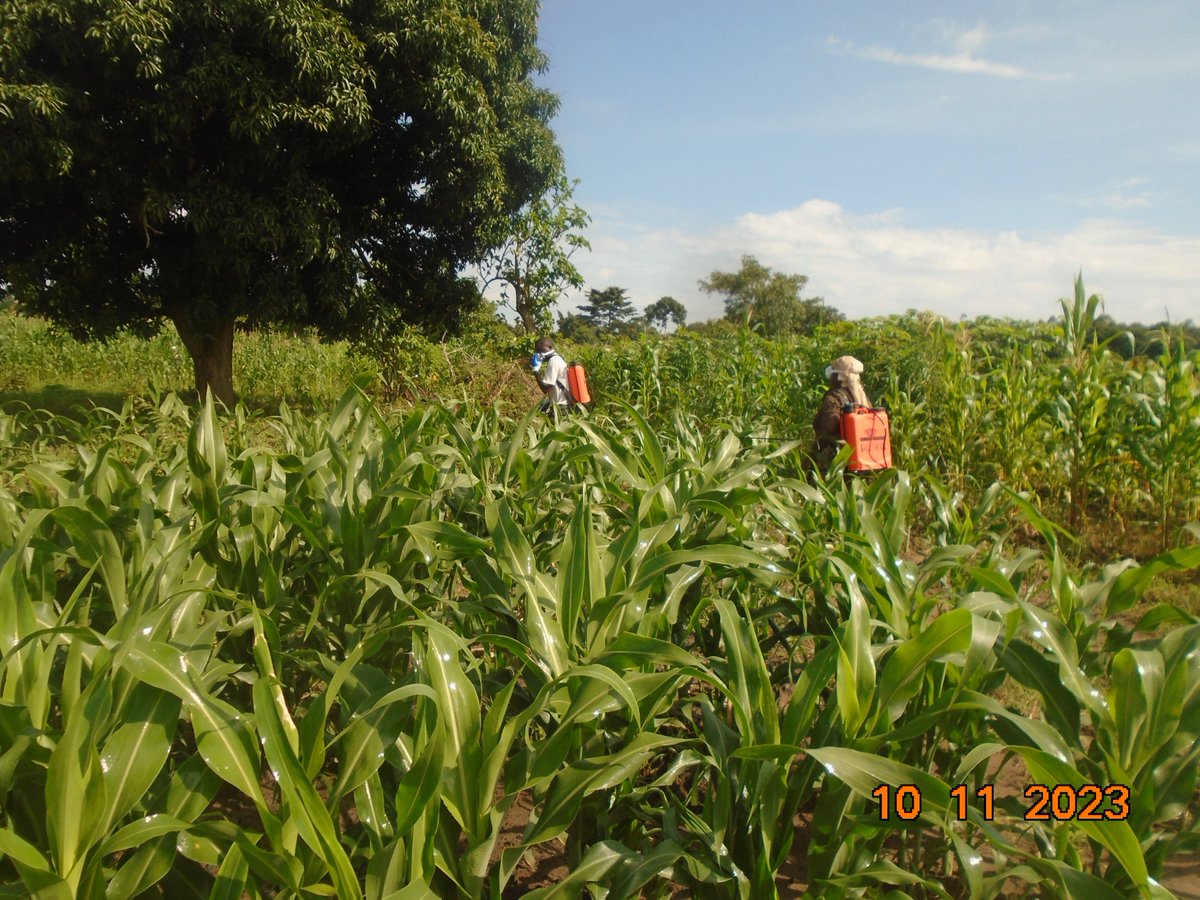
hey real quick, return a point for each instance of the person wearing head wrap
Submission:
(844, 375)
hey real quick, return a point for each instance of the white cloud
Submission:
(965, 45)
(877, 264)
(1125, 195)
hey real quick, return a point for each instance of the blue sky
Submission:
(966, 158)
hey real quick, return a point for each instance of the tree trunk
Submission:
(524, 308)
(210, 345)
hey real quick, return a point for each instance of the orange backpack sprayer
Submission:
(866, 431)
(577, 383)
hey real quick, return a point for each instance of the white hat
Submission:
(847, 364)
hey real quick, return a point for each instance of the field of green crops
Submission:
(444, 650)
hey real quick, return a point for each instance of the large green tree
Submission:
(533, 265)
(664, 310)
(755, 295)
(315, 162)
(610, 311)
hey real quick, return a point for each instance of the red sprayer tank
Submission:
(866, 431)
(577, 383)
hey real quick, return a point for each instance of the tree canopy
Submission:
(755, 295)
(533, 265)
(610, 311)
(666, 309)
(313, 162)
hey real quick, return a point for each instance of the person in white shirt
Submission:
(550, 369)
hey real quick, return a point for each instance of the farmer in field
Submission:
(845, 387)
(550, 369)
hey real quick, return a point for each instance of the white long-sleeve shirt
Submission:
(554, 374)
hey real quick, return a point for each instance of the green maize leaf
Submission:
(1016, 728)
(884, 872)
(446, 540)
(207, 461)
(385, 872)
(419, 785)
(572, 784)
(864, 772)
(630, 650)
(45, 474)
(514, 445)
(1132, 583)
(72, 676)
(142, 831)
(311, 730)
(855, 686)
(1164, 614)
(726, 452)
(995, 884)
(970, 864)
(308, 812)
(607, 677)
(1137, 679)
(223, 736)
(1114, 835)
(715, 554)
(655, 464)
(981, 656)
(142, 870)
(496, 740)
(1048, 529)
(136, 751)
(75, 789)
(36, 875)
(370, 803)
(516, 558)
(266, 639)
(803, 706)
(599, 860)
(1035, 670)
(976, 757)
(81, 634)
(415, 890)
(947, 635)
(991, 581)
(632, 871)
(1074, 884)
(780, 753)
(676, 584)
(494, 722)
(96, 545)
(748, 678)
(1167, 702)
(615, 457)
(1055, 637)
(363, 742)
(192, 788)
(19, 739)
(459, 708)
(581, 581)
(234, 873)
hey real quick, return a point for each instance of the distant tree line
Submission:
(770, 303)
(767, 302)
(1136, 339)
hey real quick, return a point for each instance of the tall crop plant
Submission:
(1086, 432)
(1163, 433)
